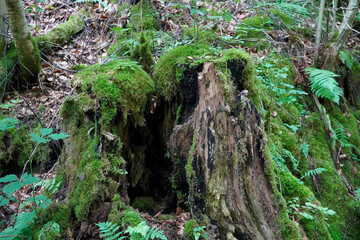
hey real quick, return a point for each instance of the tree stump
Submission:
(218, 153)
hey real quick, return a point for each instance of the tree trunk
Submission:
(319, 23)
(2, 27)
(27, 51)
(347, 23)
(223, 154)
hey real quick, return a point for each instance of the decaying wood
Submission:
(229, 183)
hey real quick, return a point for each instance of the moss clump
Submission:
(61, 33)
(189, 229)
(143, 204)
(142, 54)
(61, 214)
(50, 231)
(7, 67)
(169, 69)
(252, 27)
(283, 16)
(16, 147)
(201, 36)
(143, 17)
(119, 86)
(131, 217)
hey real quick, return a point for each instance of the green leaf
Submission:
(58, 136)
(227, 16)
(29, 179)
(8, 123)
(46, 131)
(12, 187)
(36, 138)
(9, 178)
(3, 201)
(305, 149)
(347, 58)
(324, 85)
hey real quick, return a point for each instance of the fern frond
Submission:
(315, 172)
(324, 85)
(341, 136)
(155, 233)
(109, 231)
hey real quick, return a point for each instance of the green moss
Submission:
(169, 69)
(283, 16)
(190, 173)
(252, 28)
(131, 217)
(61, 214)
(7, 67)
(116, 212)
(143, 17)
(16, 147)
(143, 204)
(189, 229)
(62, 33)
(142, 54)
(200, 36)
(119, 86)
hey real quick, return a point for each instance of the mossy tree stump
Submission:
(222, 149)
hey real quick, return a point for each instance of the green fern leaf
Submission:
(109, 231)
(315, 172)
(324, 85)
(347, 58)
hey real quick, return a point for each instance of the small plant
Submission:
(200, 233)
(143, 232)
(324, 85)
(50, 231)
(110, 231)
(24, 220)
(309, 211)
(314, 172)
(49, 185)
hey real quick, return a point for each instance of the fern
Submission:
(49, 185)
(315, 172)
(143, 232)
(109, 231)
(324, 85)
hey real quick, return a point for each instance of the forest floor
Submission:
(43, 102)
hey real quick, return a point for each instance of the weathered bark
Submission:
(28, 55)
(222, 151)
(319, 23)
(347, 23)
(2, 27)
